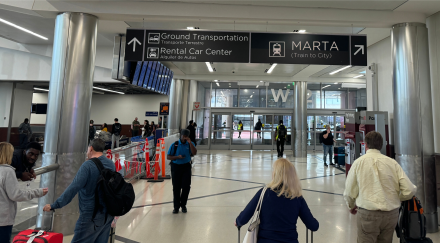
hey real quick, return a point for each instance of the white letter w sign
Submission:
(280, 93)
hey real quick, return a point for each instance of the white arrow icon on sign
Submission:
(361, 47)
(134, 40)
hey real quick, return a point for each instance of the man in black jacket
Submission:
(327, 143)
(192, 132)
(24, 159)
(116, 132)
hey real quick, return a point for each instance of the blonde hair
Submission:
(285, 180)
(6, 152)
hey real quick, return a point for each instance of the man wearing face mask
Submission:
(24, 159)
(180, 155)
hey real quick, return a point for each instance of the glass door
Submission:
(242, 126)
(262, 135)
(221, 126)
(287, 121)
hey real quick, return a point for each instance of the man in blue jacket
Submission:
(88, 230)
(180, 156)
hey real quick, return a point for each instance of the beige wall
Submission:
(105, 108)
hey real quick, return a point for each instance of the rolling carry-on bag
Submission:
(37, 236)
(411, 227)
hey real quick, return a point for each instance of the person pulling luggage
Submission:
(180, 156)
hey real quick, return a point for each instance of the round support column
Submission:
(175, 100)
(299, 130)
(413, 113)
(68, 113)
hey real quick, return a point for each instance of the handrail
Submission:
(46, 169)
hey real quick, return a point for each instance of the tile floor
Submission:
(223, 183)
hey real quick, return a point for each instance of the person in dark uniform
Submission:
(327, 143)
(180, 156)
(258, 127)
(281, 134)
(92, 131)
(25, 132)
(24, 159)
(192, 132)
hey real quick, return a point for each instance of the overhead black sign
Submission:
(134, 47)
(213, 46)
(306, 49)
(191, 46)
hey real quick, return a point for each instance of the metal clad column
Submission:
(175, 100)
(414, 142)
(299, 130)
(68, 113)
(192, 97)
(433, 23)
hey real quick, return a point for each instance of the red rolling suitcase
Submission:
(38, 236)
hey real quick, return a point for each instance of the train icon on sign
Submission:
(277, 48)
(153, 53)
(153, 38)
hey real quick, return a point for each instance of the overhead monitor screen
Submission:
(142, 76)
(147, 75)
(137, 73)
(151, 78)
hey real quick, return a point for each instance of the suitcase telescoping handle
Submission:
(307, 236)
(238, 234)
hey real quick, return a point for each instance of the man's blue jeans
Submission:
(86, 232)
(328, 149)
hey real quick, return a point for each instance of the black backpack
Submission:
(411, 224)
(118, 195)
(117, 130)
(282, 131)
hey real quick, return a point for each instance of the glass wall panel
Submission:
(263, 97)
(250, 98)
(224, 98)
(314, 99)
(334, 99)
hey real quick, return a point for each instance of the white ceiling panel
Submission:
(375, 35)
(428, 7)
(347, 73)
(348, 4)
(234, 69)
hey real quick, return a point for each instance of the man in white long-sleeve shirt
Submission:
(375, 187)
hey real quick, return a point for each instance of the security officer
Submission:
(180, 155)
(281, 134)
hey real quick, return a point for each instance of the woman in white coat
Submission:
(10, 193)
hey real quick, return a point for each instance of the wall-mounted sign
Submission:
(151, 113)
(196, 106)
(308, 49)
(187, 46)
(164, 109)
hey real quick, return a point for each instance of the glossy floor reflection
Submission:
(223, 182)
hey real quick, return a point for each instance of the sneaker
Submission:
(325, 164)
(332, 164)
(175, 211)
(184, 210)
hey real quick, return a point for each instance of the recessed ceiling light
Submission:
(217, 84)
(337, 71)
(301, 31)
(358, 76)
(261, 81)
(192, 28)
(285, 87)
(257, 86)
(271, 68)
(339, 88)
(336, 82)
(215, 80)
(23, 29)
(208, 64)
(41, 89)
(108, 90)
